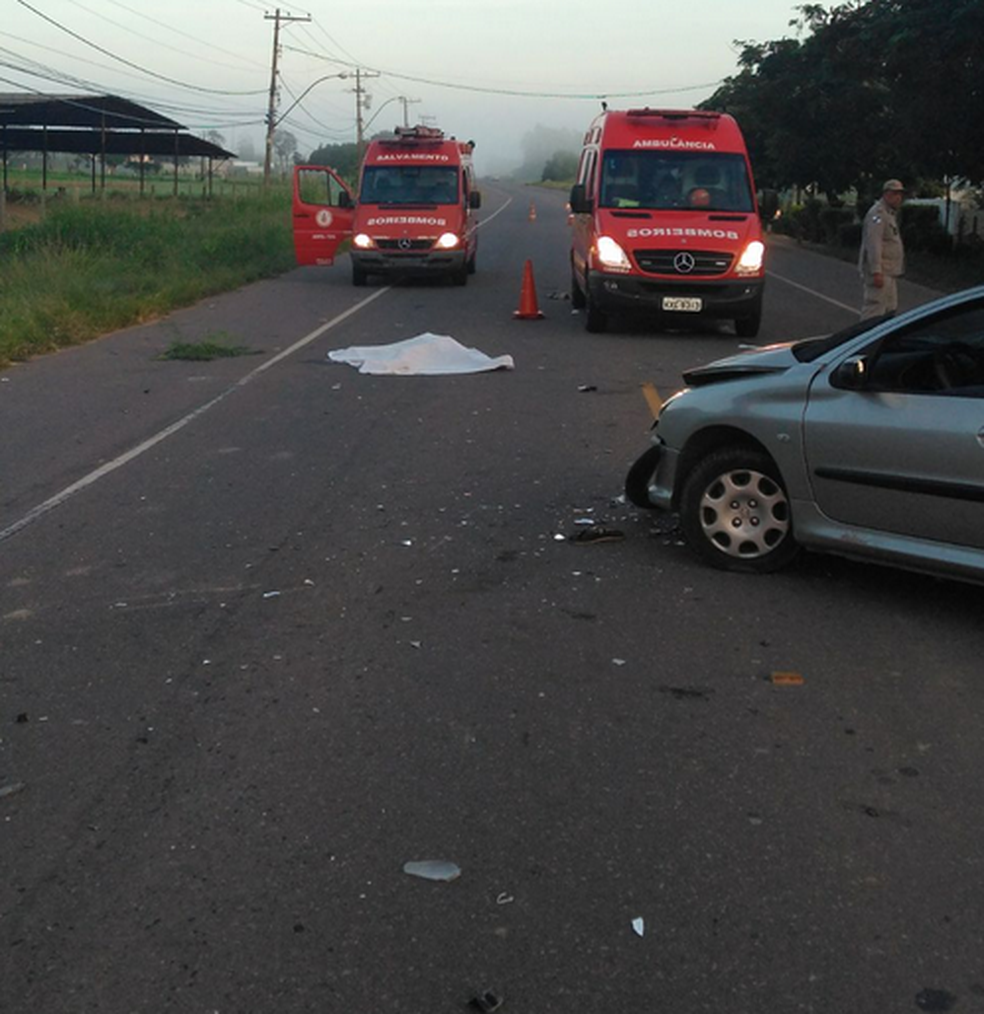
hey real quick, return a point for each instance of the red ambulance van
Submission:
(414, 213)
(665, 221)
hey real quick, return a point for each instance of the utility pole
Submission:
(271, 118)
(405, 102)
(360, 104)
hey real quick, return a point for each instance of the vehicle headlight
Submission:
(446, 241)
(362, 241)
(750, 262)
(611, 255)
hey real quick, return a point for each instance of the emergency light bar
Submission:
(419, 133)
(676, 114)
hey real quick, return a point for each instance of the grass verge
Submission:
(93, 267)
(215, 346)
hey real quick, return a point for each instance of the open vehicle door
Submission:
(323, 207)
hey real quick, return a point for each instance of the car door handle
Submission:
(980, 436)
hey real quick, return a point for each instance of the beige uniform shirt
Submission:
(881, 243)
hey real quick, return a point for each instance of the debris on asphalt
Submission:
(433, 869)
(618, 661)
(687, 693)
(787, 679)
(639, 925)
(597, 533)
(271, 594)
(486, 1001)
(935, 1000)
(584, 388)
(11, 789)
(504, 898)
(22, 718)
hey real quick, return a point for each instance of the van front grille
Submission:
(408, 245)
(683, 262)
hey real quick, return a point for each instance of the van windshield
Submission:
(675, 181)
(409, 184)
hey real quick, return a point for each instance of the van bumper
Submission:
(418, 264)
(725, 300)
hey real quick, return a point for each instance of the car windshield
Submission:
(409, 184)
(668, 181)
(809, 349)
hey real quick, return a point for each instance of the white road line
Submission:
(813, 292)
(498, 211)
(111, 466)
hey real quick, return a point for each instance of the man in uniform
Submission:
(882, 258)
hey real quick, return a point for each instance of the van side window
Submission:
(585, 171)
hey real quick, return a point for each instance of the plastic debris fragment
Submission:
(639, 925)
(11, 789)
(486, 1001)
(271, 594)
(433, 869)
(596, 533)
(504, 898)
(787, 679)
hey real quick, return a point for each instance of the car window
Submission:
(943, 355)
(809, 349)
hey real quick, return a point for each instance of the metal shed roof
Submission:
(94, 124)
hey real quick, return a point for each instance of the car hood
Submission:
(767, 360)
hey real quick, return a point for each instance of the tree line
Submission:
(869, 89)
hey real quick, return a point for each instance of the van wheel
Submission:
(460, 277)
(595, 320)
(578, 301)
(748, 327)
(471, 264)
(359, 275)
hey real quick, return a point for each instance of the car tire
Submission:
(735, 514)
(640, 475)
(359, 275)
(578, 302)
(472, 265)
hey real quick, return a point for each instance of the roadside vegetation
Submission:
(213, 346)
(92, 266)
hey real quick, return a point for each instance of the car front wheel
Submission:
(735, 514)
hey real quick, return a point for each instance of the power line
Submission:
(519, 93)
(176, 31)
(128, 63)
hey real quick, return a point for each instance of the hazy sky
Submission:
(460, 58)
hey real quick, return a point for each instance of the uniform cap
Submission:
(892, 185)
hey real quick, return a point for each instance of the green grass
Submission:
(95, 266)
(213, 346)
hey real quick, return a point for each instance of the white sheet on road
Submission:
(430, 354)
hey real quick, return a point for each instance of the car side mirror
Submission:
(580, 202)
(344, 199)
(475, 199)
(852, 374)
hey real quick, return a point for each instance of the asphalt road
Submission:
(270, 629)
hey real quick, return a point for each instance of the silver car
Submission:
(868, 443)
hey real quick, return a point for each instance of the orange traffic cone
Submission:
(532, 212)
(528, 309)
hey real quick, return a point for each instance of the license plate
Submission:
(683, 304)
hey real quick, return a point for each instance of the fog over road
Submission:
(270, 629)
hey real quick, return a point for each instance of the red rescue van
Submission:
(665, 221)
(414, 213)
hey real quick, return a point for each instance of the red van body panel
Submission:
(322, 216)
(665, 221)
(415, 211)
